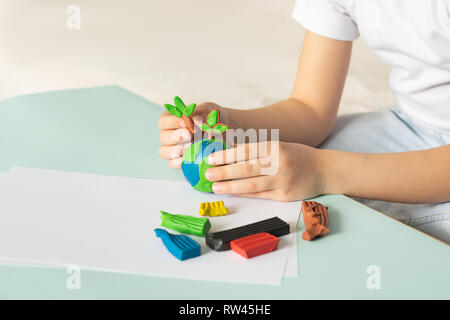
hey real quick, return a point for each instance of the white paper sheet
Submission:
(3, 176)
(291, 270)
(106, 223)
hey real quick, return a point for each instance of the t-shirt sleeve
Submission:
(328, 18)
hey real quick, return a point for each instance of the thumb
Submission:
(198, 119)
(202, 110)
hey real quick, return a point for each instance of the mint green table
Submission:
(108, 130)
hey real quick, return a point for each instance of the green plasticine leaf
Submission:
(205, 127)
(220, 128)
(213, 118)
(189, 110)
(179, 103)
(173, 110)
(185, 224)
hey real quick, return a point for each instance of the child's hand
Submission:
(293, 172)
(175, 137)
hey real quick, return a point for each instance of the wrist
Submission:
(329, 171)
(230, 117)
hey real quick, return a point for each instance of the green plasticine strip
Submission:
(185, 224)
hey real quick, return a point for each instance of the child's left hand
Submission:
(293, 172)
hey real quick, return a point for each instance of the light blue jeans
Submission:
(391, 130)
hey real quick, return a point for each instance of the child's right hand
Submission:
(175, 137)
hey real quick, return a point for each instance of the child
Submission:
(395, 156)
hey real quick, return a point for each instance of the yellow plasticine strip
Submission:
(212, 209)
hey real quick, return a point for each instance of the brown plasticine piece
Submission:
(315, 217)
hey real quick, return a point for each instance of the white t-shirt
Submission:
(413, 36)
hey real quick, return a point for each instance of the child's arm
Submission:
(309, 114)
(413, 177)
(306, 117)
(302, 172)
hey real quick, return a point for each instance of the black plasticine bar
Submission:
(220, 241)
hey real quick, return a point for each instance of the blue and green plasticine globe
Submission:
(195, 163)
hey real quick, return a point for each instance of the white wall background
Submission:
(237, 53)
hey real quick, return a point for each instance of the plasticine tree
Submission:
(194, 163)
(180, 110)
(213, 125)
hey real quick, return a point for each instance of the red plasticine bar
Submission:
(255, 245)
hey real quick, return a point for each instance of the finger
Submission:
(172, 137)
(242, 152)
(272, 194)
(175, 163)
(168, 121)
(233, 171)
(202, 110)
(197, 119)
(172, 152)
(249, 185)
(269, 194)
